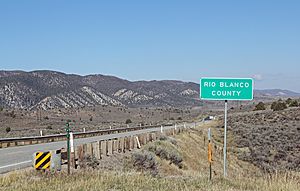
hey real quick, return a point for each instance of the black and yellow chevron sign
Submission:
(42, 160)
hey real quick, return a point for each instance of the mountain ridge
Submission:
(48, 89)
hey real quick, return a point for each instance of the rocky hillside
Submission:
(50, 89)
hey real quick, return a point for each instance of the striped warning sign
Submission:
(42, 160)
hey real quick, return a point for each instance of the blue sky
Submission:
(145, 40)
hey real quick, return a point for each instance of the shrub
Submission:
(91, 118)
(8, 129)
(49, 127)
(179, 118)
(89, 162)
(260, 106)
(46, 118)
(294, 103)
(166, 150)
(1, 108)
(172, 118)
(273, 105)
(288, 101)
(128, 121)
(279, 106)
(144, 161)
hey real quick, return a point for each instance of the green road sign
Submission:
(226, 88)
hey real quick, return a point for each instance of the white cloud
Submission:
(258, 77)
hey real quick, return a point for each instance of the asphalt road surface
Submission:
(15, 158)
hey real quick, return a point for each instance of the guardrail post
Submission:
(140, 139)
(80, 156)
(95, 148)
(89, 149)
(119, 145)
(100, 149)
(76, 156)
(144, 139)
(112, 146)
(106, 148)
(103, 148)
(154, 136)
(130, 143)
(124, 145)
(138, 142)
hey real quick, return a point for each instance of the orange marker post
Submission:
(209, 154)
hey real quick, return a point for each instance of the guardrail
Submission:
(20, 141)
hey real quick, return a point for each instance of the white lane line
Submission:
(10, 165)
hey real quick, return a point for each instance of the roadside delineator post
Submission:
(161, 129)
(72, 157)
(41, 133)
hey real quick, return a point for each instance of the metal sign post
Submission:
(226, 89)
(225, 138)
(68, 145)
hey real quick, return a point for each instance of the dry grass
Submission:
(193, 176)
(112, 180)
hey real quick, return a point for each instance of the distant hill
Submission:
(51, 89)
(277, 93)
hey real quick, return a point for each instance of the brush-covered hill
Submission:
(50, 89)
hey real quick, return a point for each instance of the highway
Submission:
(15, 158)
